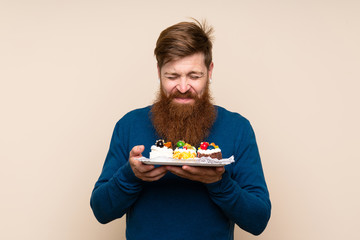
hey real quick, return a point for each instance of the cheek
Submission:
(168, 88)
(199, 88)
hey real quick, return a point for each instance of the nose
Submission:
(183, 85)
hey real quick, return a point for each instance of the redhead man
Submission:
(183, 202)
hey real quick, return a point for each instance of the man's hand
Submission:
(145, 172)
(201, 174)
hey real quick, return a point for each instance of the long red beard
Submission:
(188, 122)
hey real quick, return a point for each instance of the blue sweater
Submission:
(177, 208)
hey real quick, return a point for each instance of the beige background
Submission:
(70, 69)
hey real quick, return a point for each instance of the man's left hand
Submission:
(201, 174)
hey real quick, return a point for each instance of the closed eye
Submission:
(194, 77)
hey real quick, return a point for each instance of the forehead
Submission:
(192, 63)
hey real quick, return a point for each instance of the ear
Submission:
(211, 67)
(159, 71)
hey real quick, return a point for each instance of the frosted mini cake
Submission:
(184, 151)
(161, 149)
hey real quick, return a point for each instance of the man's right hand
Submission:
(145, 172)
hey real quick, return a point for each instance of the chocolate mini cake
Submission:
(209, 150)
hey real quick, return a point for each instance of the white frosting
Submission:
(160, 152)
(207, 151)
(185, 150)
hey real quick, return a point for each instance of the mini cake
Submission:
(184, 151)
(209, 150)
(161, 149)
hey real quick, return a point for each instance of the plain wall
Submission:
(69, 70)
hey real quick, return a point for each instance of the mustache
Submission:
(178, 94)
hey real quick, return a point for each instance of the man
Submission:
(171, 202)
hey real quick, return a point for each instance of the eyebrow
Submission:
(167, 73)
(176, 74)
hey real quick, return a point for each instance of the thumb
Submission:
(137, 150)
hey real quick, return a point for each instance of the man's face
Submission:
(184, 78)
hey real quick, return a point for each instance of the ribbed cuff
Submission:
(219, 186)
(126, 174)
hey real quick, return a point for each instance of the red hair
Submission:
(182, 40)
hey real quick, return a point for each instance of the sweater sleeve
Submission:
(242, 195)
(117, 187)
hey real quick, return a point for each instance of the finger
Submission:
(196, 177)
(204, 170)
(183, 174)
(189, 169)
(156, 172)
(178, 171)
(136, 151)
(151, 179)
(141, 167)
(173, 169)
(198, 170)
